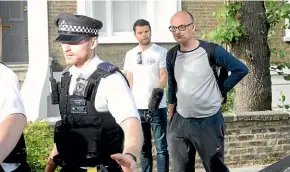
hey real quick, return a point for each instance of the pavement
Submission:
(256, 168)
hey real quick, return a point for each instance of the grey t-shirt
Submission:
(198, 93)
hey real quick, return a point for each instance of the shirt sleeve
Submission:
(237, 68)
(12, 100)
(172, 85)
(128, 63)
(162, 61)
(119, 98)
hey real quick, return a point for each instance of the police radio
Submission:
(54, 95)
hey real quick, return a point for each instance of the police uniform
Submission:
(93, 101)
(11, 103)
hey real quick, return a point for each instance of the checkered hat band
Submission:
(78, 29)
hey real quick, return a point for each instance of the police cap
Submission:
(74, 28)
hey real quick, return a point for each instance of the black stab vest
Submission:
(85, 137)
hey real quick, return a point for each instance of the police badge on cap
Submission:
(74, 28)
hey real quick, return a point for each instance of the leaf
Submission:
(287, 77)
(287, 106)
(203, 36)
(280, 67)
(283, 98)
(287, 65)
(282, 53)
(231, 21)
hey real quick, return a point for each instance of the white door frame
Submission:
(35, 89)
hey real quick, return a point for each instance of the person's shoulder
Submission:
(107, 67)
(159, 48)
(173, 48)
(4, 68)
(115, 79)
(205, 44)
(132, 51)
(7, 74)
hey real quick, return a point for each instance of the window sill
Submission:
(132, 39)
(286, 38)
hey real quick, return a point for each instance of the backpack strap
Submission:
(171, 58)
(222, 71)
(211, 58)
(173, 54)
(211, 53)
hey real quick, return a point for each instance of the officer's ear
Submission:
(94, 42)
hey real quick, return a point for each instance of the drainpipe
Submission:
(35, 88)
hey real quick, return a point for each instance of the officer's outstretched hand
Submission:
(126, 161)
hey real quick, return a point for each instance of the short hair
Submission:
(190, 16)
(141, 22)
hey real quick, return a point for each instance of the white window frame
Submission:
(84, 7)
(286, 38)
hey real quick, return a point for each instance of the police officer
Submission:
(12, 123)
(100, 129)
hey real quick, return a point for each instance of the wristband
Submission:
(133, 156)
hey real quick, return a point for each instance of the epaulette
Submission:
(66, 69)
(65, 72)
(108, 67)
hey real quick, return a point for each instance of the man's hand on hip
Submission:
(170, 111)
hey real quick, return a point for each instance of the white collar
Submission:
(148, 49)
(86, 70)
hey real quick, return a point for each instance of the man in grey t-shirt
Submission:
(194, 97)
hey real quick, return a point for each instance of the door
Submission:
(14, 31)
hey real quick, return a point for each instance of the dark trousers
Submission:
(158, 125)
(185, 136)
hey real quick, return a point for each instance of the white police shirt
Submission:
(113, 93)
(10, 101)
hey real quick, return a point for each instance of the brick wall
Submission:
(254, 138)
(203, 12)
(54, 8)
(116, 53)
(257, 137)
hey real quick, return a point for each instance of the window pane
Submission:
(125, 13)
(160, 19)
(99, 12)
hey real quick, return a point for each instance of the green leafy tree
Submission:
(245, 27)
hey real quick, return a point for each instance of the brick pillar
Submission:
(0, 40)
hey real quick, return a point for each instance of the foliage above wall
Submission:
(230, 29)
